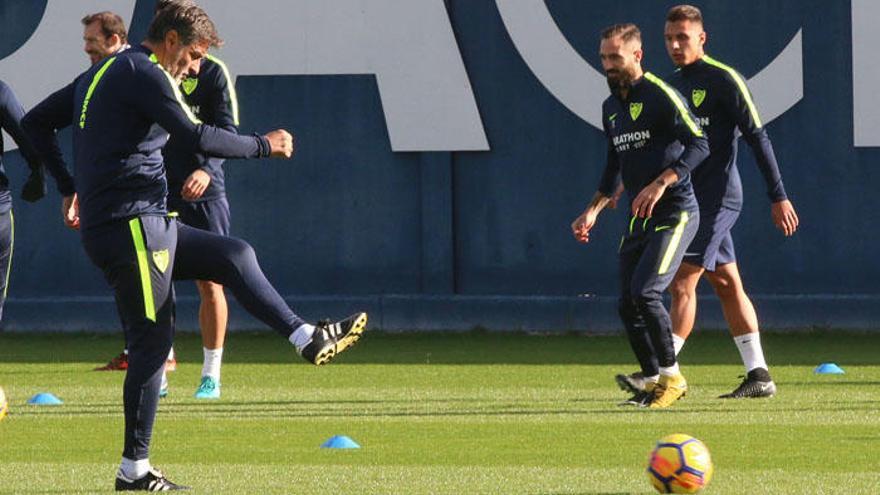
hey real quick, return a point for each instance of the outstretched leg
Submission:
(233, 263)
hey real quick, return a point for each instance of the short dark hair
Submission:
(161, 4)
(626, 31)
(190, 22)
(684, 13)
(110, 24)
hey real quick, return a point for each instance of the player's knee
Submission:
(240, 253)
(147, 356)
(681, 290)
(210, 291)
(626, 308)
(724, 285)
(646, 300)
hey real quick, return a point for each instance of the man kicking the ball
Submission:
(125, 108)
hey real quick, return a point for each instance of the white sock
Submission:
(171, 354)
(134, 470)
(749, 346)
(211, 366)
(677, 343)
(164, 384)
(670, 371)
(302, 336)
(654, 378)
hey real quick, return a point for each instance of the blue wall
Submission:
(464, 239)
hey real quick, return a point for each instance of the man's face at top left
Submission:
(96, 45)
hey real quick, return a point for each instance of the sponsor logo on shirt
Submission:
(631, 140)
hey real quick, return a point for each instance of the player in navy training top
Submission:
(719, 97)
(104, 34)
(123, 110)
(653, 144)
(11, 113)
(196, 191)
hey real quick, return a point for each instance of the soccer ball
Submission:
(4, 404)
(680, 464)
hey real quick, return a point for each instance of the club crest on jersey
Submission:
(189, 85)
(161, 259)
(635, 109)
(698, 96)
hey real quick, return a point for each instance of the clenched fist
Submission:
(281, 143)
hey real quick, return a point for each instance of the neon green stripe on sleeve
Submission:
(741, 84)
(144, 267)
(230, 84)
(679, 104)
(91, 90)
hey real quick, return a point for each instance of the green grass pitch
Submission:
(445, 414)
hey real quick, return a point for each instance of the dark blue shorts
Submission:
(211, 215)
(713, 244)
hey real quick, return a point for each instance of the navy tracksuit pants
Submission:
(650, 253)
(140, 257)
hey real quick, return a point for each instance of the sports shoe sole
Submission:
(206, 396)
(766, 393)
(331, 351)
(625, 384)
(658, 406)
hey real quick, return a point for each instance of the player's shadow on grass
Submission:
(469, 348)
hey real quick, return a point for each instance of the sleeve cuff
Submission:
(778, 195)
(263, 144)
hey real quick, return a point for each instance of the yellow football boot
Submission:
(668, 390)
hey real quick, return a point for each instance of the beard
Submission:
(619, 80)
